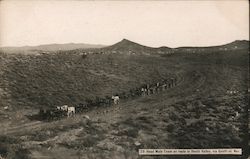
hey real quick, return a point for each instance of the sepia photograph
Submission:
(125, 79)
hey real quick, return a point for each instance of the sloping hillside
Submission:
(56, 79)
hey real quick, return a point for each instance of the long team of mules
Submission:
(68, 111)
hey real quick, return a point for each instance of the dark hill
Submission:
(127, 46)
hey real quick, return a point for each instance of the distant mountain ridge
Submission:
(127, 46)
(240, 43)
(133, 47)
(235, 45)
(52, 47)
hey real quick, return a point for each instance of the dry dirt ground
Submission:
(195, 113)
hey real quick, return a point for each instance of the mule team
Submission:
(146, 89)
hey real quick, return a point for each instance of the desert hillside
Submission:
(198, 112)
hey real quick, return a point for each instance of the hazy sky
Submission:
(153, 23)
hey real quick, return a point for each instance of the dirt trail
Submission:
(109, 114)
(188, 84)
(116, 113)
(112, 113)
(191, 84)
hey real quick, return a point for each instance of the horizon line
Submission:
(106, 45)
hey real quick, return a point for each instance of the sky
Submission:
(170, 23)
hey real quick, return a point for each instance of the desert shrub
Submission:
(18, 153)
(8, 139)
(11, 148)
(144, 119)
(142, 122)
(90, 141)
(130, 132)
(170, 127)
(81, 142)
(182, 121)
(186, 115)
(173, 116)
(3, 149)
(43, 135)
